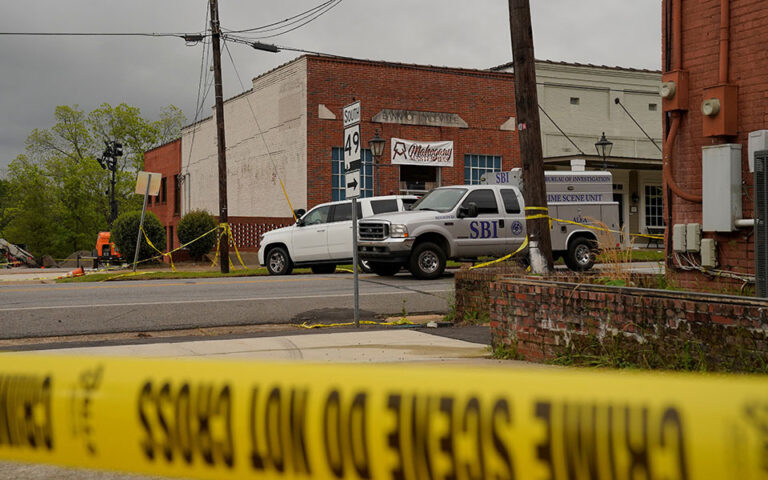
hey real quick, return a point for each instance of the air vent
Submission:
(761, 223)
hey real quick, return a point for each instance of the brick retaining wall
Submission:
(547, 319)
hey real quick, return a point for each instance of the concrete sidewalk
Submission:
(364, 346)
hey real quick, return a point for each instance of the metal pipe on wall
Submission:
(676, 116)
(725, 33)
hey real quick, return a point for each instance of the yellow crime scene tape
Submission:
(559, 220)
(225, 419)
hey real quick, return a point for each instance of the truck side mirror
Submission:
(300, 222)
(299, 212)
(470, 211)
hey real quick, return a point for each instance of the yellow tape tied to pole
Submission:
(222, 420)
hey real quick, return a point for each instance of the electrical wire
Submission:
(561, 130)
(618, 102)
(203, 88)
(253, 113)
(268, 27)
(97, 34)
(309, 19)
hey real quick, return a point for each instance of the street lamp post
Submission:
(603, 147)
(376, 144)
(108, 161)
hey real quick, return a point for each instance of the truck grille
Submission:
(373, 230)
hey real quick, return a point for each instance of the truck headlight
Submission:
(398, 231)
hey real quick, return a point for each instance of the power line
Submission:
(268, 27)
(199, 101)
(97, 34)
(253, 113)
(309, 19)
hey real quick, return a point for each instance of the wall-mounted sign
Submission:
(429, 154)
(413, 117)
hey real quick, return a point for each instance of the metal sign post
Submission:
(351, 118)
(151, 183)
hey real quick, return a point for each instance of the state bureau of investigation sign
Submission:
(219, 420)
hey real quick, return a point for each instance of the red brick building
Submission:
(166, 160)
(715, 93)
(287, 132)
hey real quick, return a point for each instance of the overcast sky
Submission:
(39, 73)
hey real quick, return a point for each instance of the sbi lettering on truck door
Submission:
(480, 235)
(514, 231)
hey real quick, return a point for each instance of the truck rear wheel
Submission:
(427, 261)
(581, 254)
(385, 269)
(279, 262)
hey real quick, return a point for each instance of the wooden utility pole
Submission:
(222, 144)
(529, 134)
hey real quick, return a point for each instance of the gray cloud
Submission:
(39, 73)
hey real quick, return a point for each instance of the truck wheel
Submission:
(385, 269)
(323, 268)
(364, 266)
(581, 254)
(427, 261)
(279, 262)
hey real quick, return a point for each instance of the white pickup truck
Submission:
(465, 222)
(322, 238)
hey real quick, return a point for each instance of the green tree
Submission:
(126, 229)
(193, 225)
(57, 199)
(5, 196)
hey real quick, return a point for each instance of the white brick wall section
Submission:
(279, 102)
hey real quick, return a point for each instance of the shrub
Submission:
(193, 225)
(125, 229)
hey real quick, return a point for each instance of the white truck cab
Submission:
(322, 238)
(465, 222)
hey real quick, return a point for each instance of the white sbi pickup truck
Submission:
(471, 221)
(322, 238)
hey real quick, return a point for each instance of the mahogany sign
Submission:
(430, 154)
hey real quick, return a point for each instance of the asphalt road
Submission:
(135, 306)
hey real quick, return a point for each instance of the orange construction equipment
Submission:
(106, 252)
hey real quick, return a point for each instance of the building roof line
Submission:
(576, 64)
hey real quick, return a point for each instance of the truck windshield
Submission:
(440, 200)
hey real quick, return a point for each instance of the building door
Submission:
(418, 180)
(619, 197)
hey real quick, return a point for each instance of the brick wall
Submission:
(748, 67)
(166, 160)
(546, 319)
(485, 100)
(247, 230)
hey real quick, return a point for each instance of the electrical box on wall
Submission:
(721, 186)
(758, 140)
(678, 237)
(674, 91)
(692, 237)
(708, 253)
(718, 108)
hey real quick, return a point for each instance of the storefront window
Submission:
(654, 206)
(418, 180)
(477, 165)
(339, 190)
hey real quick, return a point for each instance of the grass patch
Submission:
(505, 352)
